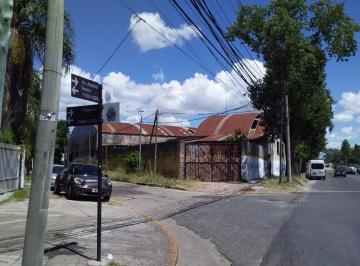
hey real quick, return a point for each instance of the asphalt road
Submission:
(321, 227)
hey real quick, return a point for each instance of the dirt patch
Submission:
(222, 188)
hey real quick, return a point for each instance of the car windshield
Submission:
(57, 169)
(86, 169)
(317, 166)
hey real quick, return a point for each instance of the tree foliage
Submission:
(346, 155)
(27, 45)
(295, 39)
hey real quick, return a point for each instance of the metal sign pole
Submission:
(99, 155)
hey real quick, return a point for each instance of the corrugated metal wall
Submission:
(9, 167)
(213, 161)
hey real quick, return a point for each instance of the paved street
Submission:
(317, 228)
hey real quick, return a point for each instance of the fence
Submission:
(213, 161)
(9, 167)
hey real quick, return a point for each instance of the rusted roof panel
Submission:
(133, 129)
(226, 125)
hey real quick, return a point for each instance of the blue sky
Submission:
(148, 72)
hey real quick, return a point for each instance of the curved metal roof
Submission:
(133, 129)
(226, 125)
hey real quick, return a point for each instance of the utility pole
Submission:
(36, 221)
(99, 196)
(156, 128)
(89, 149)
(140, 135)
(6, 8)
(281, 140)
(288, 152)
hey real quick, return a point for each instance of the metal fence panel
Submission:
(213, 161)
(9, 167)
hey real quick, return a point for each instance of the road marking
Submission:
(174, 246)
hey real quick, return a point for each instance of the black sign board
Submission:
(82, 115)
(85, 88)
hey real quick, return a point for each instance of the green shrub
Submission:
(132, 160)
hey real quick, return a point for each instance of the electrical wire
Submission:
(118, 46)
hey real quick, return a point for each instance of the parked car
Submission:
(316, 169)
(341, 171)
(57, 168)
(78, 180)
(358, 170)
(351, 170)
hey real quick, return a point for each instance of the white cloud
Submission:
(343, 117)
(347, 131)
(350, 103)
(196, 94)
(149, 39)
(159, 76)
(334, 139)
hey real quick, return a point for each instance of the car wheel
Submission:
(69, 192)
(56, 189)
(106, 198)
(324, 177)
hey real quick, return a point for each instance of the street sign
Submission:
(82, 115)
(111, 113)
(85, 89)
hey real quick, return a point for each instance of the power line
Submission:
(118, 46)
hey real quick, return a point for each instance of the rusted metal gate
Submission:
(213, 161)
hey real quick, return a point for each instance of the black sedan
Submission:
(78, 180)
(341, 171)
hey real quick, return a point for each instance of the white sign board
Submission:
(111, 113)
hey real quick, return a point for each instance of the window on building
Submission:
(278, 147)
(254, 124)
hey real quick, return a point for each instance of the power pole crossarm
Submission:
(36, 222)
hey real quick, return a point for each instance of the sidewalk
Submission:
(75, 221)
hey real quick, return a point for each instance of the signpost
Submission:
(85, 89)
(89, 115)
(82, 115)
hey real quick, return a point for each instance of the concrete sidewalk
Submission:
(137, 229)
(126, 235)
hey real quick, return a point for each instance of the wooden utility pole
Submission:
(36, 221)
(288, 151)
(281, 140)
(89, 148)
(156, 130)
(140, 135)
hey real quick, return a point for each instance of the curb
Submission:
(5, 196)
(174, 247)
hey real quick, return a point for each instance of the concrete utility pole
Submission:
(6, 12)
(140, 135)
(45, 137)
(156, 130)
(288, 152)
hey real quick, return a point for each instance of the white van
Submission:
(315, 168)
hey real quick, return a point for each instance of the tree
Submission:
(295, 39)
(27, 44)
(345, 150)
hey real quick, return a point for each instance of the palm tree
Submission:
(27, 47)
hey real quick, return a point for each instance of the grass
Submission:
(114, 263)
(273, 184)
(149, 179)
(20, 194)
(57, 234)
